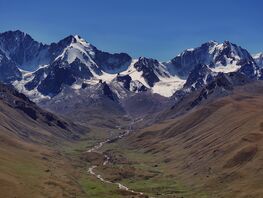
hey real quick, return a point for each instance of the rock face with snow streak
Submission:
(198, 77)
(27, 53)
(8, 69)
(130, 85)
(150, 69)
(259, 60)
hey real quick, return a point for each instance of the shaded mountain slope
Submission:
(215, 148)
(25, 116)
(29, 139)
(86, 104)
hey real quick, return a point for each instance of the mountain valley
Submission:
(80, 122)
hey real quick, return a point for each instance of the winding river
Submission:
(91, 169)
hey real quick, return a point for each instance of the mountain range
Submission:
(43, 72)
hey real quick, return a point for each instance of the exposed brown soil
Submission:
(241, 157)
(30, 162)
(216, 148)
(93, 157)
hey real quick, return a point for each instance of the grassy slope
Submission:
(40, 159)
(213, 151)
(142, 172)
(216, 149)
(91, 186)
(35, 170)
(29, 166)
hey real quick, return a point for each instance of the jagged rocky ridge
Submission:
(43, 71)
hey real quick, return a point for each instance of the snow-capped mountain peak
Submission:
(73, 62)
(82, 41)
(220, 57)
(78, 48)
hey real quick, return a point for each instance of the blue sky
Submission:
(154, 28)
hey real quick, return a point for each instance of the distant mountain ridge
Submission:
(43, 71)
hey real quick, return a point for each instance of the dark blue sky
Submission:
(153, 28)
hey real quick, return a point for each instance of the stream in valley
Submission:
(92, 169)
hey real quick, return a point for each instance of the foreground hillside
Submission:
(41, 153)
(214, 149)
(26, 158)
